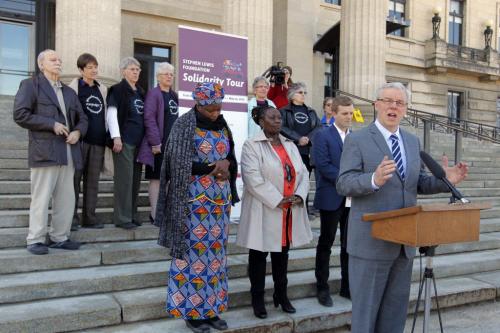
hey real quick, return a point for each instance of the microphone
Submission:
(439, 173)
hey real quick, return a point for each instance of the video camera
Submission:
(275, 73)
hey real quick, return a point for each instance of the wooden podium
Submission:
(428, 225)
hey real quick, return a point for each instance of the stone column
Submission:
(92, 26)
(253, 19)
(362, 46)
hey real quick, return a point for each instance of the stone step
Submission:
(60, 315)
(13, 163)
(19, 260)
(16, 237)
(80, 281)
(141, 309)
(20, 218)
(490, 213)
(21, 154)
(490, 225)
(23, 186)
(22, 201)
(483, 177)
(310, 316)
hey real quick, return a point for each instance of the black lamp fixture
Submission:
(436, 22)
(488, 33)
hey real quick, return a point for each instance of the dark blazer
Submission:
(36, 108)
(326, 153)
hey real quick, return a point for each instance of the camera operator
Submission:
(279, 85)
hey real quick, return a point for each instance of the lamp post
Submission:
(488, 33)
(436, 22)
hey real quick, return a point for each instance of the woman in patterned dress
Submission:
(273, 214)
(200, 168)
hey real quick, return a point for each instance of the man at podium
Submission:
(381, 170)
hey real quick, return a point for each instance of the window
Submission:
(455, 105)
(16, 57)
(397, 10)
(17, 8)
(456, 18)
(328, 78)
(150, 56)
(333, 2)
(498, 111)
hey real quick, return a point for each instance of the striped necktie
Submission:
(396, 154)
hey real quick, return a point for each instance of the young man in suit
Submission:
(55, 120)
(333, 208)
(381, 170)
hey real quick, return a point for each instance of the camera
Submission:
(275, 73)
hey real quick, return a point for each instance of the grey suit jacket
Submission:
(363, 151)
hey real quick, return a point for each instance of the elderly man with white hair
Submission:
(160, 112)
(54, 117)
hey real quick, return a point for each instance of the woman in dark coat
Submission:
(193, 213)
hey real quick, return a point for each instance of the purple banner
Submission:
(209, 56)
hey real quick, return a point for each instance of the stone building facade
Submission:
(352, 45)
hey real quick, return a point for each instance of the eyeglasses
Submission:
(167, 74)
(302, 92)
(257, 87)
(390, 101)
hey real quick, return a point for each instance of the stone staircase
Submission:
(117, 281)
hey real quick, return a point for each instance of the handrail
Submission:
(468, 128)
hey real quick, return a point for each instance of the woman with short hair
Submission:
(260, 89)
(126, 128)
(328, 118)
(160, 112)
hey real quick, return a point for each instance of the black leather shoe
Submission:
(65, 245)
(151, 219)
(137, 223)
(93, 226)
(217, 323)
(198, 326)
(127, 226)
(286, 306)
(38, 249)
(324, 298)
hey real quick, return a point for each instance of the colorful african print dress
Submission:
(197, 286)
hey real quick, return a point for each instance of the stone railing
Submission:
(442, 57)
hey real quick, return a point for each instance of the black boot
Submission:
(279, 261)
(257, 275)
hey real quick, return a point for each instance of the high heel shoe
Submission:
(259, 309)
(283, 300)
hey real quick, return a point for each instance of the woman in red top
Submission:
(278, 92)
(273, 215)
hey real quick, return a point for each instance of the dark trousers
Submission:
(93, 159)
(307, 162)
(257, 272)
(127, 180)
(329, 221)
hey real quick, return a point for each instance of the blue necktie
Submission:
(396, 154)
